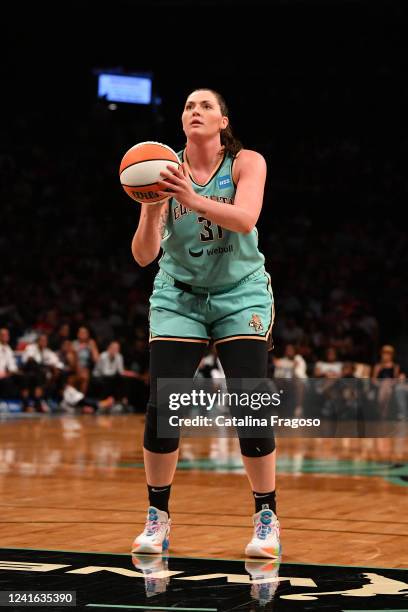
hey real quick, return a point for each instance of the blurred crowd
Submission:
(49, 367)
(74, 305)
(50, 370)
(334, 388)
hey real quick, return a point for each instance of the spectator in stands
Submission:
(385, 374)
(73, 400)
(57, 339)
(138, 359)
(8, 368)
(331, 367)
(348, 370)
(88, 354)
(210, 366)
(350, 392)
(109, 372)
(343, 401)
(292, 367)
(329, 371)
(41, 370)
(46, 322)
(69, 358)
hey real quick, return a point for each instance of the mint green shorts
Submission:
(244, 310)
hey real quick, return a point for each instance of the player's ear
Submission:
(224, 123)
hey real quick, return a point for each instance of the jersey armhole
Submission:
(232, 168)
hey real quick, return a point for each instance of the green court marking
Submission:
(147, 607)
(395, 473)
(208, 465)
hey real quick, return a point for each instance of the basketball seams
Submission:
(142, 161)
(139, 186)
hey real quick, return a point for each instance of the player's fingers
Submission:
(172, 178)
(176, 171)
(167, 184)
(166, 175)
(174, 181)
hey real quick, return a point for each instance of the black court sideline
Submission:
(121, 582)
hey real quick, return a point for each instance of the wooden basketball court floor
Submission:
(77, 484)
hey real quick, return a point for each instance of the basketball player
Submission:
(211, 284)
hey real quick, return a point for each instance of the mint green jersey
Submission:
(201, 253)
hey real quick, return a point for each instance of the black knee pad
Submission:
(257, 447)
(151, 442)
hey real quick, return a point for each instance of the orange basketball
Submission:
(140, 170)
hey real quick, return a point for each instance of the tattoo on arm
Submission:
(162, 221)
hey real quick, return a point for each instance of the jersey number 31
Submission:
(207, 233)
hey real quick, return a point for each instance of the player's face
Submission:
(202, 115)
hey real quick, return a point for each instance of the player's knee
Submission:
(151, 441)
(257, 447)
(160, 445)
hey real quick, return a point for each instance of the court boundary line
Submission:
(94, 552)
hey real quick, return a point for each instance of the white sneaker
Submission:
(264, 578)
(153, 569)
(155, 537)
(265, 541)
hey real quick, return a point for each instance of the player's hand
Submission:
(177, 184)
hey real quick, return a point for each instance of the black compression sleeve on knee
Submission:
(257, 447)
(168, 359)
(151, 441)
(247, 359)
